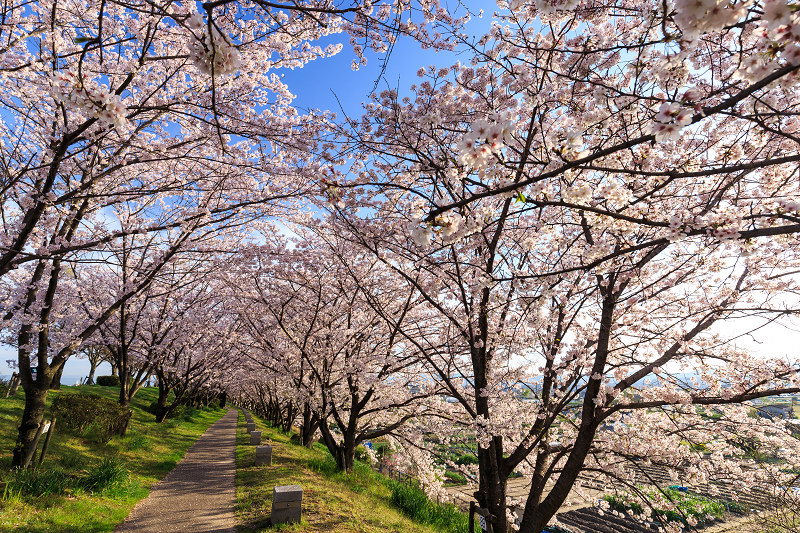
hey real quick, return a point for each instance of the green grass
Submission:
(86, 486)
(414, 503)
(358, 502)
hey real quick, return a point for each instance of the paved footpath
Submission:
(198, 495)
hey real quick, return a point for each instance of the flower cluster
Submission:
(615, 194)
(484, 139)
(578, 193)
(697, 17)
(90, 98)
(784, 22)
(206, 49)
(421, 235)
(669, 120)
(447, 225)
(723, 225)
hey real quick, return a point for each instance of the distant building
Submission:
(776, 411)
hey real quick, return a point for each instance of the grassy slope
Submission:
(355, 503)
(149, 451)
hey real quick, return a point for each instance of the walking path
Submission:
(199, 494)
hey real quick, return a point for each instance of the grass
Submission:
(84, 486)
(358, 502)
(415, 503)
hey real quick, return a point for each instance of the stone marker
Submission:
(251, 426)
(286, 504)
(263, 455)
(255, 437)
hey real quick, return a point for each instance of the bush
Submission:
(361, 453)
(466, 459)
(108, 381)
(90, 415)
(413, 501)
(107, 476)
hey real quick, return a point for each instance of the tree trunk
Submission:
(92, 368)
(162, 410)
(309, 427)
(288, 420)
(56, 383)
(492, 493)
(346, 456)
(33, 414)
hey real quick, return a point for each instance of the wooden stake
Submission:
(47, 439)
(32, 450)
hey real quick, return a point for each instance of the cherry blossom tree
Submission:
(350, 368)
(581, 205)
(170, 118)
(95, 354)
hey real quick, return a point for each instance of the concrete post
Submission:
(263, 455)
(287, 503)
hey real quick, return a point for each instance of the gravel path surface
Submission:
(198, 495)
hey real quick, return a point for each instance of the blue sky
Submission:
(318, 84)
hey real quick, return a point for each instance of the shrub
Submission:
(466, 459)
(108, 381)
(361, 453)
(91, 415)
(107, 476)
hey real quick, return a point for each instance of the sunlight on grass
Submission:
(85, 486)
(358, 502)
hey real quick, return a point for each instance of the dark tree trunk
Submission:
(344, 454)
(309, 427)
(223, 401)
(56, 383)
(162, 409)
(32, 415)
(288, 420)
